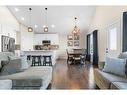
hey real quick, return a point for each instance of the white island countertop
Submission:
(42, 52)
(39, 50)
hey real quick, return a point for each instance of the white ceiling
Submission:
(60, 16)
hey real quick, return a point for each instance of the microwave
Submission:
(46, 42)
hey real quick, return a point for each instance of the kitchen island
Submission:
(53, 53)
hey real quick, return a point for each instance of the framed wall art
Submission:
(76, 37)
(70, 37)
(73, 39)
(70, 43)
(76, 43)
(8, 44)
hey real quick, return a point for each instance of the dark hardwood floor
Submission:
(72, 76)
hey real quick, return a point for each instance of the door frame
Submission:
(118, 25)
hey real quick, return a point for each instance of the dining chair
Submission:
(83, 56)
(76, 59)
(69, 57)
(80, 58)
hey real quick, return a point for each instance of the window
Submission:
(113, 39)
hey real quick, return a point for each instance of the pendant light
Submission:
(30, 29)
(45, 26)
(76, 30)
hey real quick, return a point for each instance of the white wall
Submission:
(9, 27)
(63, 44)
(26, 38)
(29, 39)
(18, 37)
(8, 24)
(104, 16)
(37, 40)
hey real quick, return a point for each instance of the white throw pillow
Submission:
(115, 66)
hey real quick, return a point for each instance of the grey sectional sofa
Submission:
(105, 80)
(38, 77)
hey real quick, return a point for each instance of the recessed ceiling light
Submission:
(22, 18)
(52, 25)
(44, 26)
(35, 26)
(16, 9)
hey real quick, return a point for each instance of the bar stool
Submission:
(36, 59)
(28, 57)
(47, 60)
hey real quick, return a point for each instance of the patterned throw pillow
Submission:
(3, 62)
(14, 66)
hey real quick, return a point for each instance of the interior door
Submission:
(113, 40)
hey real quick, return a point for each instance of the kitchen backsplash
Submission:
(46, 47)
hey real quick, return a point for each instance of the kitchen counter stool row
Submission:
(37, 60)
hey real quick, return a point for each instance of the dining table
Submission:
(76, 54)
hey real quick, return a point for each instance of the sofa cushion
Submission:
(112, 77)
(37, 73)
(115, 66)
(103, 79)
(12, 67)
(123, 55)
(118, 85)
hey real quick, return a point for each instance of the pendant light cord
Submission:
(75, 21)
(30, 9)
(46, 16)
